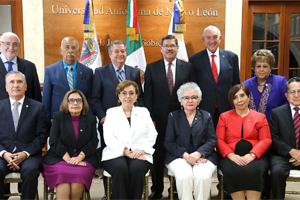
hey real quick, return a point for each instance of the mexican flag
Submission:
(135, 50)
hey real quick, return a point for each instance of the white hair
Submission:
(189, 86)
(212, 28)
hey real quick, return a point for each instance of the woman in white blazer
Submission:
(129, 134)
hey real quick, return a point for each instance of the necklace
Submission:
(260, 84)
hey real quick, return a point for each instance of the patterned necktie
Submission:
(297, 125)
(120, 78)
(214, 67)
(9, 66)
(70, 77)
(170, 78)
(15, 114)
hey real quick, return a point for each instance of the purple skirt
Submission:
(62, 172)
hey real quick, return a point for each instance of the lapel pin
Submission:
(223, 56)
(26, 106)
(81, 130)
(195, 118)
(80, 72)
(249, 120)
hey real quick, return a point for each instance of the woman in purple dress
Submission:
(71, 161)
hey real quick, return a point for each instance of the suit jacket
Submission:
(157, 96)
(139, 134)
(277, 93)
(255, 130)
(31, 131)
(211, 91)
(29, 70)
(62, 138)
(56, 86)
(282, 131)
(104, 88)
(179, 131)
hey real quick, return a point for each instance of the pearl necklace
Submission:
(260, 84)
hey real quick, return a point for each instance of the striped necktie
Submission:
(170, 78)
(297, 125)
(120, 78)
(9, 66)
(15, 114)
(70, 77)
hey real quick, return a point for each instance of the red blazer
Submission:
(255, 130)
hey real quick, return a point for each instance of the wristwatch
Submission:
(253, 155)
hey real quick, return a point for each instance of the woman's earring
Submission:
(119, 102)
(181, 107)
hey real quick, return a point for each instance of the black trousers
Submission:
(30, 171)
(128, 176)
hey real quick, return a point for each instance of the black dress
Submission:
(249, 177)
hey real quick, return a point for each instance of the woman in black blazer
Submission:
(71, 161)
(190, 142)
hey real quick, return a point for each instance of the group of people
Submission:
(186, 110)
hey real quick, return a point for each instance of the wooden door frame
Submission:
(16, 21)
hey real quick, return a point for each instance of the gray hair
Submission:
(110, 47)
(189, 86)
(10, 33)
(15, 72)
(294, 79)
(212, 28)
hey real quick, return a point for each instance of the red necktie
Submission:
(170, 78)
(297, 125)
(214, 67)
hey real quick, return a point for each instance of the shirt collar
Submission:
(210, 53)
(116, 68)
(12, 101)
(167, 62)
(4, 60)
(73, 65)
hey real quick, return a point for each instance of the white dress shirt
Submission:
(173, 67)
(217, 58)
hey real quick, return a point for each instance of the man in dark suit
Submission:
(162, 80)
(22, 135)
(217, 71)
(9, 60)
(284, 126)
(106, 81)
(65, 75)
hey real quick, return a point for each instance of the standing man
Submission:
(162, 80)
(65, 75)
(217, 71)
(284, 127)
(22, 135)
(9, 61)
(106, 81)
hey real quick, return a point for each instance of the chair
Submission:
(109, 183)
(172, 181)
(221, 184)
(294, 177)
(51, 192)
(15, 178)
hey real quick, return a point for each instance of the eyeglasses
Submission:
(72, 101)
(8, 44)
(193, 98)
(169, 47)
(130, 93)
(293, 92)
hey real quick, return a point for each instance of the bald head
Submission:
(69, 49)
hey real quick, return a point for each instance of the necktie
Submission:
(70, 77)
(15, 114)
(120, 78)
(297, 124)
(170, 78)
(214, 67)
(9, 66)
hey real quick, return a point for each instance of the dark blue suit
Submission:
(30, 137)
(179, 131)
(213, 92)
(56, 86)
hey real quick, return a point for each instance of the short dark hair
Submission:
(234, 90)
(294, 79)
(125, 84)
(168, 37)
(64, 104)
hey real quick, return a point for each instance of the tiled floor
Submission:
(97, 191)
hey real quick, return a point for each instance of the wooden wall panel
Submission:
(111, 24)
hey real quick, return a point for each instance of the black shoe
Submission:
(154, 195)
(104, 197)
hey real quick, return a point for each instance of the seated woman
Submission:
(243, 138)
(129, 134)
(71, 161)
(190, 142)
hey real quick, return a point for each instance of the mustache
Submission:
(170, 51)
(71, 54)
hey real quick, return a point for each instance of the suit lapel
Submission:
(2, 68)
(112, 74)
(223, 63)
(62, 74)
(177, 75)
(70, 128)
(21, 67)
(79, 75)
(7, 110)
(81, 129)
(128, 72)
(206, 64)
(287, 115)
(162, 75)
(24, 111)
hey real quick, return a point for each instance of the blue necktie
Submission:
(9, 66)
